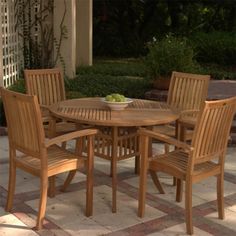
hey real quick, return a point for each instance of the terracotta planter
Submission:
(161, 83)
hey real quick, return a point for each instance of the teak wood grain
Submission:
(117, 138)
(48, 86)
(40, 157)
(205, 156)
(187, 93)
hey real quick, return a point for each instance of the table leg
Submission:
(114, 166)
(51, 134)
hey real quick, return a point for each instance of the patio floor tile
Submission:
(163, 216)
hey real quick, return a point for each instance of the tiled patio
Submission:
(65, 212)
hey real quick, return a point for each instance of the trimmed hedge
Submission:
(114, 67)
(101, 85)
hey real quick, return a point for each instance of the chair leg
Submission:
(137, 165)
(71, 175)
(156, 181)
(52, 186)
(63, 145)
(179, 190)
(42, 202)
(111, 172)
(90, 168)
(167, 148)
(68, 180)
(142, 190)
(220, 196)
(188, 207)
(174, 181)
(11, 186)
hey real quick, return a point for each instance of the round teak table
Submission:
(117, 139)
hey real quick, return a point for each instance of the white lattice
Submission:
(9, 56)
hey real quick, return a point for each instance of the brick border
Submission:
(174, 214)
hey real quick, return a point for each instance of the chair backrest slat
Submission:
(24, 121)
(187, 91)
(212, 130)
(46, 84)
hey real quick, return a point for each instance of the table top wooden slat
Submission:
(95, 112)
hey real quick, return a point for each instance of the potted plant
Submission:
(167, 55)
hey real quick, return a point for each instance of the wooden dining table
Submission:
(117, 138)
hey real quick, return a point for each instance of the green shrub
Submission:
(18, 86)
(100, 85)
(123, 76)
(167, 55)
(217, 72)
(215, 47)
(114, 68)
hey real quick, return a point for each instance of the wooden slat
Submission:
(205, 157)
(40, 157)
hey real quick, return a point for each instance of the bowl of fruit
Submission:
(117, 101)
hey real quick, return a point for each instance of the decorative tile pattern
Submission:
(65, 212)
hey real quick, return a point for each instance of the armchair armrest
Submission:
(165, 138)
(69, 136)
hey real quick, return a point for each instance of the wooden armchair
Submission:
(192, 163)
(187, 93)
(40, 157)
(48, 86)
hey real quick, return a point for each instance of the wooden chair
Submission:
(40, 157)
(192, 163)
(187, 93)
(48, 86)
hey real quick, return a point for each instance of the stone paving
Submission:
(164, 216)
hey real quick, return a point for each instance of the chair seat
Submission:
(176, 163)
(169, 130)
(58, 158)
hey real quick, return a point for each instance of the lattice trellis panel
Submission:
(9, 39)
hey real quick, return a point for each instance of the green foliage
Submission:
(167, 55)
(39, 47)
(215, 47)
(114, 67)
(100, 85)
(123, 76)
(18, 86)
(217, 72)
(122, 27)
